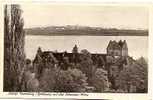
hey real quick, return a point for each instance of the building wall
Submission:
(114, 52)
(117, 51)
(124, 53)
(114, 70)
(124, 50)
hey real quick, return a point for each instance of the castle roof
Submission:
(59, 55)
(116, 45)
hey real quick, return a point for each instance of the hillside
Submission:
(84, 30)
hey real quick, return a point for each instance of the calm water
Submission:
(137, 45)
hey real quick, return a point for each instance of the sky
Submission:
(124, 17)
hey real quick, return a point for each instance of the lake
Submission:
(137, 45)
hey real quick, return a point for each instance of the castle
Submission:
(113, 61)
(117, 48)
(114, 49)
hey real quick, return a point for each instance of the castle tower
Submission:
(39, 51)
(75, 49)
(75, 54)
(124, 49)
(113, 48)
(109, 48)
(117, 48)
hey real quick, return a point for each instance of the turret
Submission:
(75, 54)
(124, 49)
(39, 51)
(75, 49)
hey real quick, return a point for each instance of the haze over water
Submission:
(137, 45)
(122, 17)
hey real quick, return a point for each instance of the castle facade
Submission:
(115, 48)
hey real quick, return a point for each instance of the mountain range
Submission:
(84, 30)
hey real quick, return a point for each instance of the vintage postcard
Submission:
(75, 50)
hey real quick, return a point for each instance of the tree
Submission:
(142, 61)
(100, 80)
(144, 75)
(133, 77)
(14, 57)
(71, 80)
(32, 84)
(86, 64)
(48, 80)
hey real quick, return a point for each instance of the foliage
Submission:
(14, 57)
(100, 80)
(32, 83)
(71, 80)
(142, 61)
(48, 80)
(133, 77)
(86, 64)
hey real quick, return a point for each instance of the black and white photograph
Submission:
(75, 48)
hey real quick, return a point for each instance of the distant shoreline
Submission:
(83, 31)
